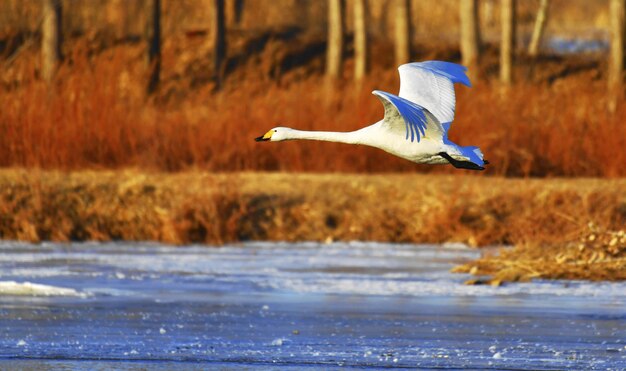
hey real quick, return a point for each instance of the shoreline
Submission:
(546, 220)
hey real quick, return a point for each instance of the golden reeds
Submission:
(96, 116)
(213, 208)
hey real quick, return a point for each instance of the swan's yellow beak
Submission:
(267, 136)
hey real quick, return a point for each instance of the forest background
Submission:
(223, 72)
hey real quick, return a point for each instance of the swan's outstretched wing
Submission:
(405, 117)
(431, 85)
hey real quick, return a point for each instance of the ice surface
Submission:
(304, 305)
(356, 268)
(33, 289)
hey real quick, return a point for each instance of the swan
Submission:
(416, 121)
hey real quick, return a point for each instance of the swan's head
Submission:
(275, 135)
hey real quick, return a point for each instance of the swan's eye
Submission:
(275, 131)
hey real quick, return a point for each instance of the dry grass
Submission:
(202, 207)
(127, 205)
(597, 254)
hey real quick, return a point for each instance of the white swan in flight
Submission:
(416, 122)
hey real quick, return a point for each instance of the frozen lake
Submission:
(292, 306)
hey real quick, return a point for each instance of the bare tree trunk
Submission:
(470, 36)
(51, 38)
(616, 59)
(154, 49)
(403, 31)
(219, 42)
(334, 50)
(360, 40)
(507, 43)
(234, 11)
(487, 12)
(540, 25)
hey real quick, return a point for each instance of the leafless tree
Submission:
(51, 38)
(360, 39)
(219, 42)
(334, 50)
(403, 31)
(154, 48)
(507, 43)
(487, 12)
(470, 36)
(538, 30)
(616, 60)
(235, 10)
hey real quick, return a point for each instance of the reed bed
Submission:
(138, 205)
(97, 115)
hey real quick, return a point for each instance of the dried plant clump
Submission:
(597, 254)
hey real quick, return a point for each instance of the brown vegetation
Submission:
(212, 208)
(97, 117)
(597, 254)
(97, 114)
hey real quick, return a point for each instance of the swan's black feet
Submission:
(461, 164)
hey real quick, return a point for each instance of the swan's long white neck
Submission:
(351, 137)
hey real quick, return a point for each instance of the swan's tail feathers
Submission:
(477, 154)
(461, 164)
(473, 154)
(473, 158)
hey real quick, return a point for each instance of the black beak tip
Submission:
(259, 139)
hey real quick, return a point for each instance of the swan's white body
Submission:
(416, 122)
(376, 136)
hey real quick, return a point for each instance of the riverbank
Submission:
(541, 217)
